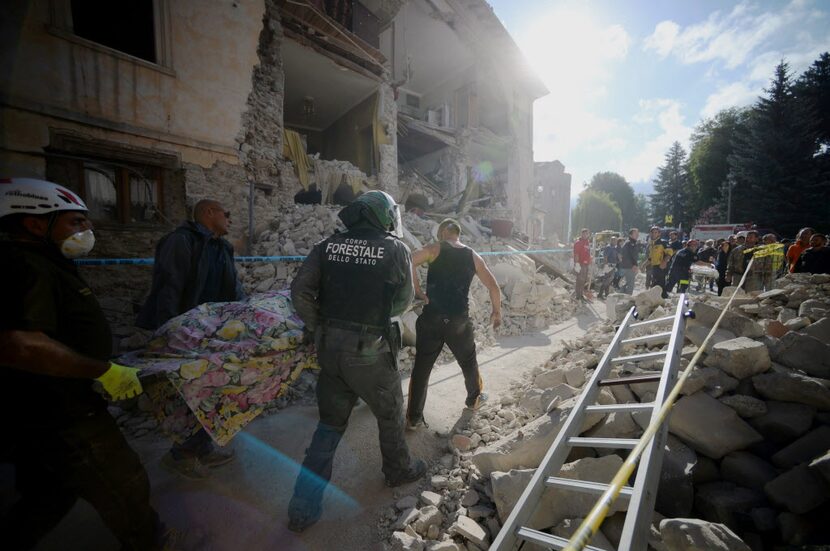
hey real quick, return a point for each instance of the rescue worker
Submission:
(347, 290)
(193, 265)
(680, 272)
(674, 241)
(739, 259)
(582, 261)
(445, 318)
(816, 259)
(54, 342)
(771, 263)
(802, 243)
(659, 255)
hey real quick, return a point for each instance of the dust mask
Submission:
(78, 244)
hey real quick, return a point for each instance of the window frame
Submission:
(73, 151)
(60, 24)
(122, 190)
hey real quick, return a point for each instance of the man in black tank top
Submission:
(445, 318)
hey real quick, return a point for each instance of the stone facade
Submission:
(553, 188)
(203, 113)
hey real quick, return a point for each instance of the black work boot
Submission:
(303, 513)
(416, 470)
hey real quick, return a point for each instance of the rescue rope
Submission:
(590, 525)
(291, 258)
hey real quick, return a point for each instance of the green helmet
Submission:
(377, 207)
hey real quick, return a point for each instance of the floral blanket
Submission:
(226, 361)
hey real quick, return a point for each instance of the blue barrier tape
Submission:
(296, 258)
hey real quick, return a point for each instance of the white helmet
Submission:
(32, 196)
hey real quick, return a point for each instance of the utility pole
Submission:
(730, 182)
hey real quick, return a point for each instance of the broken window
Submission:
(127, 26)
(121, 194)
(121, 185)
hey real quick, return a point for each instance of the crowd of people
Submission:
(54, 338)
(671, 263)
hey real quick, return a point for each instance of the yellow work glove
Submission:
(121, 382)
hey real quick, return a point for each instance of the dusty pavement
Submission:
(243, 505)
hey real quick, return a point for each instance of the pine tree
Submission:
(672, 190)
(711, 145)
(813, 89)
(772, 165)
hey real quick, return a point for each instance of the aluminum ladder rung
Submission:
(585, 486)
(638, 493)
(650, 322)
(649, 339)
(634, 379)
(547, 540)
(639, 357)
(614, 408)
(610, 443)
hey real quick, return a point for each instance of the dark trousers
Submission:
(721, 283)
(681, 280)
(432, 331)
(198, 445)
(87, 458)
(352, 365)
(658, 277)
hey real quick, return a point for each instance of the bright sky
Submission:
(629, 77)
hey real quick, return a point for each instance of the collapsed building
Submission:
(261, 105)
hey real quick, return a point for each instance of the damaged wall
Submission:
(554, 198)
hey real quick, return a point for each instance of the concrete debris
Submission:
(691, 534)
(470, 530)
(803, 352)
(747, 470)
(747, 449)
(555, 506)
(567, 527)
(740, 325)
(745, 406)
(784, 421)
(647, 301)
(696, 334)
(808, 447)
(820, 330)
(724, 502)
(800, 490)
(821, 465)
(741, 357)
(675, 494)
(710, 427)
(402, 541)
(793, 387)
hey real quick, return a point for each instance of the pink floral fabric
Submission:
(225, 361)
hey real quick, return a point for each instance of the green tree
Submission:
(620, 192)
(673, 194)
(711, 146)
(596, 211)
(642, 213)
(775, 176)
(813, 89)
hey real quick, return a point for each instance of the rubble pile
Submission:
(531, 300)
(747, 461)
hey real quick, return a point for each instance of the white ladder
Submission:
(641, 495)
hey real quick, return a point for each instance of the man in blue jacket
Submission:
(193, 265)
